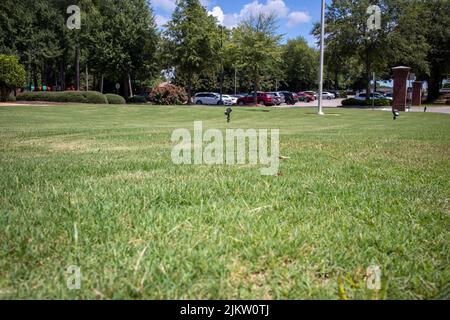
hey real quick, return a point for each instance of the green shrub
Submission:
(168, 95)
(11, 98)
(114, 99)
(365, 103)
(65, 96)
(95, 97)
(68, 96)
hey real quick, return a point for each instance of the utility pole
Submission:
(221, 63)
(374, 89)
(322, 54)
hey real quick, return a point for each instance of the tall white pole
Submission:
(322, 54)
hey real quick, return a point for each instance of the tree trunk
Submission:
(129, 85)
(77, 67)
(255, 87)
(190, 90)
(101, 84)
(434, 86)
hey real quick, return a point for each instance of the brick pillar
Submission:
(417, 94)
(400, 87)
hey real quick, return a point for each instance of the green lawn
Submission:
(95, 186)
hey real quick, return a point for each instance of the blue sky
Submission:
(295, 17)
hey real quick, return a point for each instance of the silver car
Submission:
(279, 97)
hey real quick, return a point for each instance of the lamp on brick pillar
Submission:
(417, 94)
(400, 87)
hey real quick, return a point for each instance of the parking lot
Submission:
(334, 103)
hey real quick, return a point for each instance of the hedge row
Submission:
(93, 97)
(115, 99)
(366, 103)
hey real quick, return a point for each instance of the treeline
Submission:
(119, 42)
(411, 33)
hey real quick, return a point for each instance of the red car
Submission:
(303, 96)
(262, 98)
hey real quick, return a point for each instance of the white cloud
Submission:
(276, 7)
(297, 17)
(218, 13)
(167, 5)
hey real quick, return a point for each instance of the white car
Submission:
(229, 100)
(208, 98)
(328, 96)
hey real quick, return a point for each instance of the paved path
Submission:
(432, 109)
(326, 104)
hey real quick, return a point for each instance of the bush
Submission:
(137, 99)
(95, 97)
(114, 99)
(12, 75)
(66, 96)
(365, 103)
(11, 98)
(168, 95)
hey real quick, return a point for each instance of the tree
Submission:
(12, 75)
(300, 65)
(435, 22)
(255, 48)
(191, 43)
(348, 36)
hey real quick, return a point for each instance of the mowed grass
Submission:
(94, 186)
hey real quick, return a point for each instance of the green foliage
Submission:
(300, 65)
(95, 97)
(191, 42)
(255, 48)
(343, 94)
(168, 95)
(357, 52)
(365, 103)
(115, 99)
(12, 75)
(92, 97)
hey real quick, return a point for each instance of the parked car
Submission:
(328, 95)
(312, 94)
(373, 96)
(279, 96)
(335, 92)
(229, 100)
(262, 98)
(304, 97)
(276, 99)
(208, 98)
(296, 97)
(289, 97)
